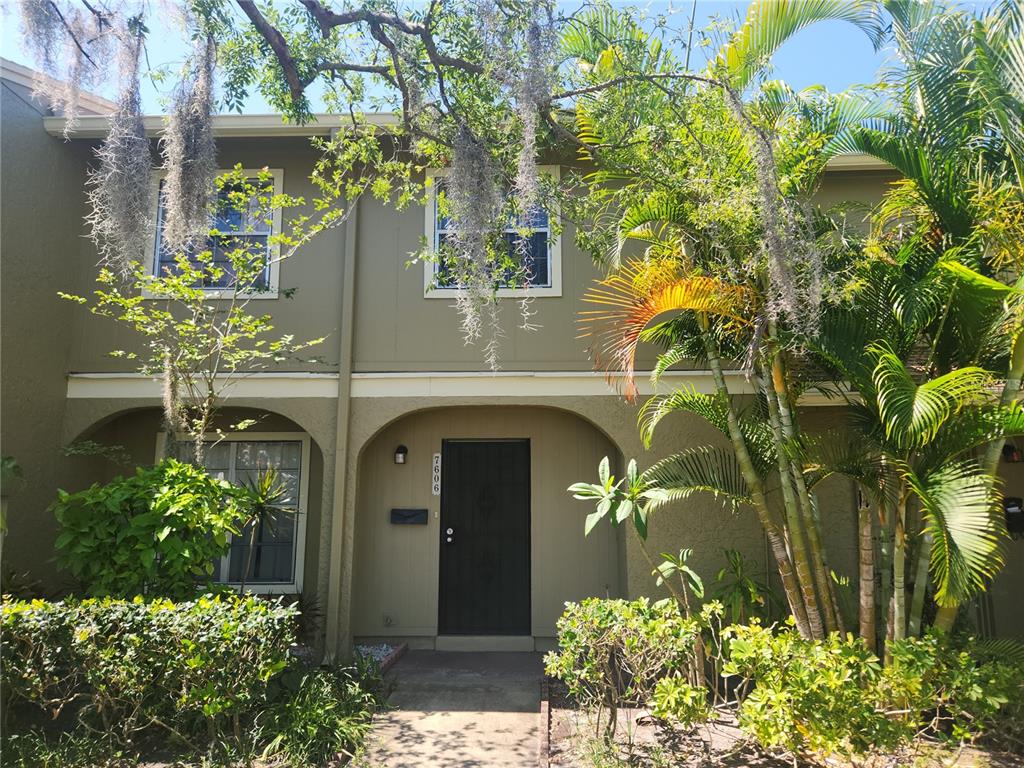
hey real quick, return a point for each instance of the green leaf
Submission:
(592, 520)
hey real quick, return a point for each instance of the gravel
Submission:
(376, 652)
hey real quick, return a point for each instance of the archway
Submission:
(122, 440)
(398, 556)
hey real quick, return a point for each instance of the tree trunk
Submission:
(899, 563)
(866, 573)
(790, 586)
(816, 548)
(798, 546)
(920, 584)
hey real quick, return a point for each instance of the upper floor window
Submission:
(533, 248)
(269, 551)
(236, 228)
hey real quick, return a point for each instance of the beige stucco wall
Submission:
(1008, 587)
(41, 185)
(396, 566)
(315, 272)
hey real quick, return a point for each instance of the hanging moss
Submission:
(71, 47)
(119, 219)
(190, 154)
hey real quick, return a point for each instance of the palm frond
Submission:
(770, 23)
(641, 291)
(960, 504)
(698, 470)
(712, 408)
(912, 413)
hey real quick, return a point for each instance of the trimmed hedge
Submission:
(197, 669)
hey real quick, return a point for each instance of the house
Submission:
(394, 440)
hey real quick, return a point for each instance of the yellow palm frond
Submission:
(640, 291)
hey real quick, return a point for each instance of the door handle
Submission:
(449, 535)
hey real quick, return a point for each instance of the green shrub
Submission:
(810, 696)
(614, 652)
(157, 532)
(197, 669)
(962, 688)
(322, 712)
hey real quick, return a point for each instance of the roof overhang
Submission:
(272, 125)
(89, 103)
(226, 126)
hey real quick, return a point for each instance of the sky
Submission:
(834, 54)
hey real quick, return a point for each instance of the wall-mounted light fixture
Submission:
(400, 453)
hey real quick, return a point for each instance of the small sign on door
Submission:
(435, 475)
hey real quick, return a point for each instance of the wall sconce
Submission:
(400, 453)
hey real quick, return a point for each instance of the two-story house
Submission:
(431, 491)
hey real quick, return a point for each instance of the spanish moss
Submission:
(119, 189)
(190, 154)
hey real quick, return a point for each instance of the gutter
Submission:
(322, 124)
(224, 126)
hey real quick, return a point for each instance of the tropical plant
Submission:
(156, 532)
(929, 291)
(742, 594)
(942, 283)
(714, 188)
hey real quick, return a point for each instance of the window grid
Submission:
(538, 222)
(234, 228)
(222, 462)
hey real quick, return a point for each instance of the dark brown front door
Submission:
(485, 538)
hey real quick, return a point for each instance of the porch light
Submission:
(400, 453)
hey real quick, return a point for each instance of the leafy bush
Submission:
(197, 669)
(158, 531)
(805, 697)
(963, 689)
(810, 696)
(615, 652)
(323, 712)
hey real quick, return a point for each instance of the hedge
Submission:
(198, 669)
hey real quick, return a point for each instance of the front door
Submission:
(485, 538)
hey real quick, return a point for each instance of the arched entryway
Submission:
(516, 552)
(285, 559)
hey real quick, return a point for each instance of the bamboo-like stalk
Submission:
(776, 541)
(899, 564)
(797, 543)
(924, 551)
(866, 573)
(816, 547)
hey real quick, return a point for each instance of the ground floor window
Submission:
(269, 551)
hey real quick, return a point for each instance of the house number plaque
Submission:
(435, 475)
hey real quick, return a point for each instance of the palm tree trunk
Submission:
(899, 564)
(815, 546)
(776, 541)
(866, 574)
(920, 584)
(798, 546)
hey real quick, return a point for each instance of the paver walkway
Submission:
(459, 710)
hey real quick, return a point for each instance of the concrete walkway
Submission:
(459, 710)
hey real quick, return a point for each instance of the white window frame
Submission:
(276, 588)
(277, 179)
(430, 267)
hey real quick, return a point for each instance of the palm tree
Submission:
(729, 241)
(956, 136)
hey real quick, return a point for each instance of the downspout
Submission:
(338, 645)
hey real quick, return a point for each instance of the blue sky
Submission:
(833, 54)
